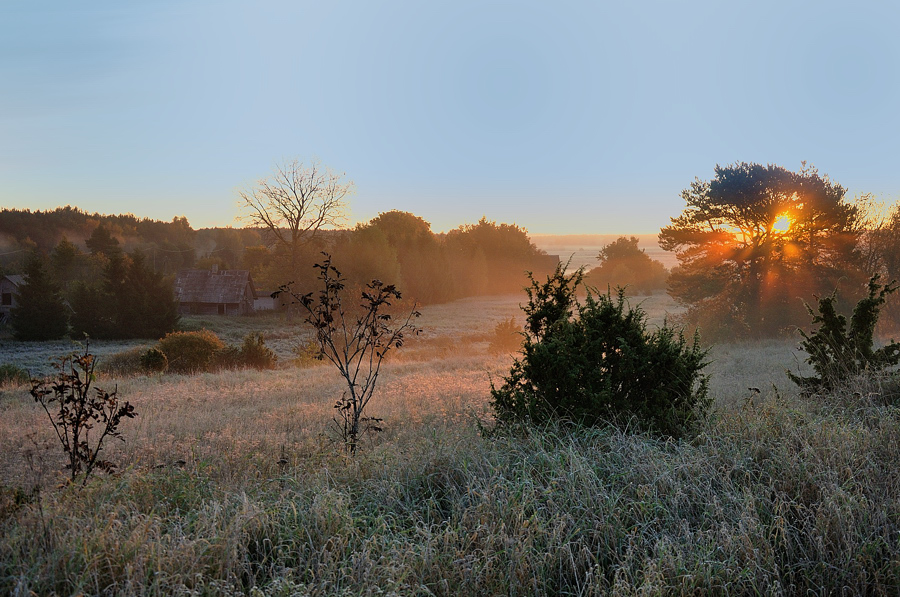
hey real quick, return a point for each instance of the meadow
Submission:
(231, 483)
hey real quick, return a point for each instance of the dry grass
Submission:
(781, 496)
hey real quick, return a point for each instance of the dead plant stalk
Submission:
(357, 345)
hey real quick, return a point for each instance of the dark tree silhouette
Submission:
(102, 241)
(40, 313)
(132, 301)
(755, 240)
(623, 264)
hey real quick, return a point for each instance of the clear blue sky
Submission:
(564, 117)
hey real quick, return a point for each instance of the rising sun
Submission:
(782, 224)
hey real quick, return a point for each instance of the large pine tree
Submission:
(147, 306)
(40, 313)
(754, 241)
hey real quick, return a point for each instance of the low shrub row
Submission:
(193, 352)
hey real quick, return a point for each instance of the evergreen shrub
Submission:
(839, 355)
(507, 337)
(123, 363)
(307, 353)
(595, 362)
(40, 313)
(228, 358)
(252, 354)
(154, 360)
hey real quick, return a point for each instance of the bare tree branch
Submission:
(295, 202)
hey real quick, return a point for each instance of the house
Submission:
(215, 292)
(265, 302)
(9, 286)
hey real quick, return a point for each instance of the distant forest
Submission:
(396, 247)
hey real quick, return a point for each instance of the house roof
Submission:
(206, 286)
(16, 279)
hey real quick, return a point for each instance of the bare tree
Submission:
(295, 202)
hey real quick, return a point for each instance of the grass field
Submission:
(773, 495)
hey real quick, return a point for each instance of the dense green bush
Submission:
(252, 354)
(203, 350)
(307, 353)
(191, 352)
(228, 358)
(839, 355)
(596, 362)
(154, 359)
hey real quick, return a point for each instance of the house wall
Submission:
(7, 294)
(243, 308)
(264, 303)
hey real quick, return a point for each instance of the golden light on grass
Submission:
(782, 224)
(217, 465)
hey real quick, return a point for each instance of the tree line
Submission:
(754, 244)
(100, 289)
(106, 294)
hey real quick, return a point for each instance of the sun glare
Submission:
(782, 224)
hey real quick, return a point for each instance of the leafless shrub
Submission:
(356, 345)
(78, 410)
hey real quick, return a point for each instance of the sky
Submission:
(565, 117)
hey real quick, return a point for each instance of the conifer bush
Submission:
(40, 313)
(839, 355)
(154, 360)
(307, 353)
(228, 357)
(595, 362)
(123, 363)
(251, 354)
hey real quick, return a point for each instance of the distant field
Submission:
(584, 248)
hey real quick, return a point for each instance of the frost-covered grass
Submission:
(37, 357)
(230, 483)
